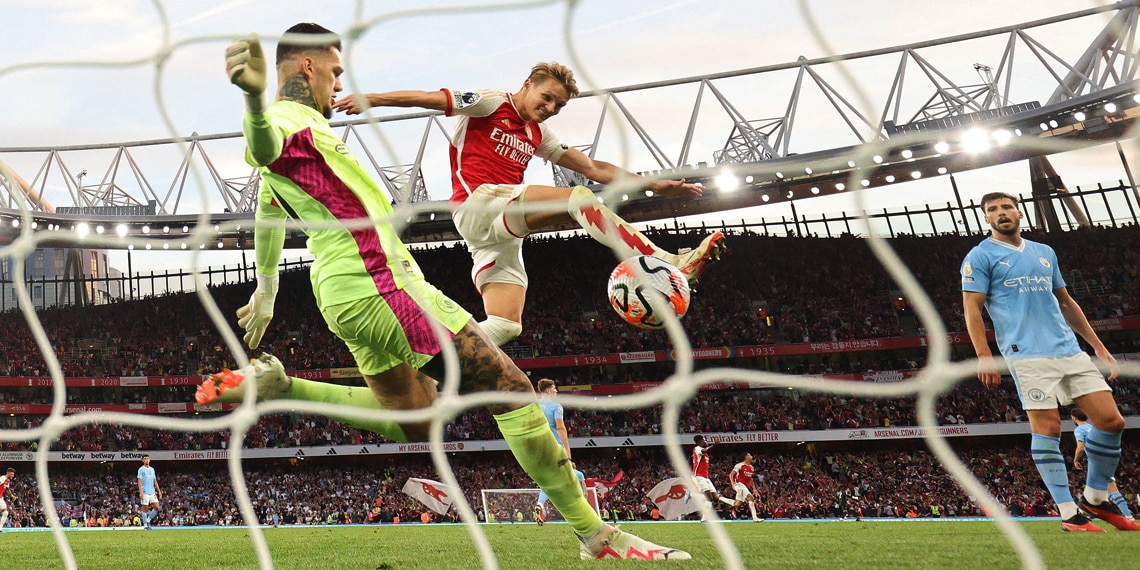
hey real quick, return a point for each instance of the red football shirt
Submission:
(700, 462)
(492, 144)
(744, 472)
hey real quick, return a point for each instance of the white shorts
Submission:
(1045, 383)
(148, 499)
(742, 491)
(494, 234)
(704, 485)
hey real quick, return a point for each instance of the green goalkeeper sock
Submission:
(540, 455)
(355, 397)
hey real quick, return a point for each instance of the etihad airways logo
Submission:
(1030, 283)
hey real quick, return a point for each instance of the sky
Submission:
(103, 84)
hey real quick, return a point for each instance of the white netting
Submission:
(936, 378)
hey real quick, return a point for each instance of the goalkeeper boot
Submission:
(692, 262)
(612, 543)
(1109, 513)
(268, 373)
(1079, 523)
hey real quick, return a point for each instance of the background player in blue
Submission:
(149, 492)
(555, 418)
(553, 412)
(1081, 434)
(1019, 283)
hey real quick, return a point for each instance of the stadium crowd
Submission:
(800, 482)
(767, 290)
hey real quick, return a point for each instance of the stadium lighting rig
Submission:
(964, 143)
(916, 152)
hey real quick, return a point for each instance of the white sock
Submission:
(1067, 509)
(500, 330)
(602, 533)
(752, 507)
(1095, 496)
(607, 228)
(728, 501)
(3, 518)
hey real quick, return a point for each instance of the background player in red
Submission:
(700, 460)
(741, 481)
(5, 480)
(496, 136)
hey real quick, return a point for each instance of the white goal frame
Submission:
(591, 497)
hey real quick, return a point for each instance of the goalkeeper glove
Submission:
(245, 65)
(255, 316)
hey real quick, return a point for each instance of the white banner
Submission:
(132, 380)
(640, 356)
(673, 499)
(6, 456)
(435, 495)
(884, 376)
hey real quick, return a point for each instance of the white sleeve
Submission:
(551, 148)
(473, 103)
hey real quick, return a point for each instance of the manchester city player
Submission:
(1019, 283)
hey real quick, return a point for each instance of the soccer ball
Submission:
(641, 287)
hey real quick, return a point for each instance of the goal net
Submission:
(521, 505)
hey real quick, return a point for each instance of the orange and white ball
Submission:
(641, 288)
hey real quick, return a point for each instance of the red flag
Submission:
(602, 486)
(435, 495)
(673, 499)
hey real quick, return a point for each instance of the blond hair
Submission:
(556, 71)
(545, 384)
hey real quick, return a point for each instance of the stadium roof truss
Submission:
(921, 124)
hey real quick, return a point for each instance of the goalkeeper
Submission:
(369, 289)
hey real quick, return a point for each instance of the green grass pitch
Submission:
(806, 544)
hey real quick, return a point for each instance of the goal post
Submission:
(505, 505)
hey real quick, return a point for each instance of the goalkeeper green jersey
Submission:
(316, 180)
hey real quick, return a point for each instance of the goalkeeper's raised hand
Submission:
(245, 66)
(255, 316)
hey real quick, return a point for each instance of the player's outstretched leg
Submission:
(483, 367)
(272, 383)
(609, 229)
